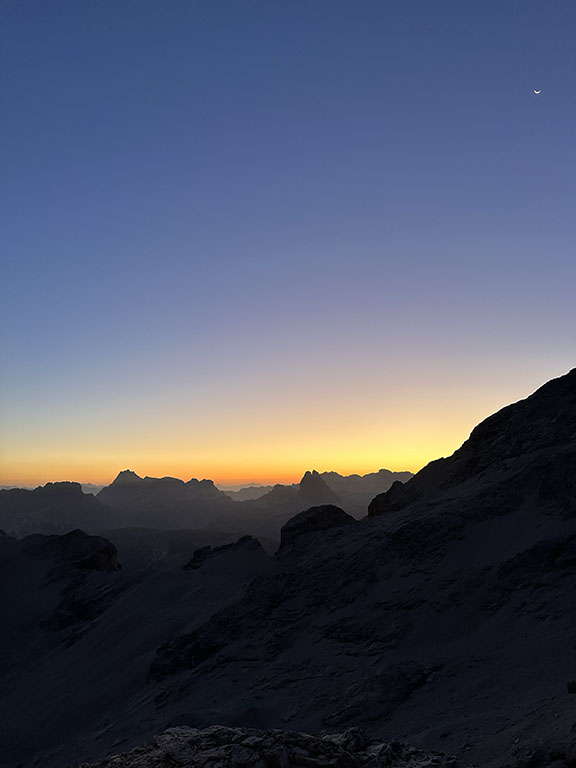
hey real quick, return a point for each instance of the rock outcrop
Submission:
(320, 518)
(247, 544)
(220, 747)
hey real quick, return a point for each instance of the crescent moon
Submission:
(537, 92)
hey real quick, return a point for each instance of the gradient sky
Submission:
(241, 239)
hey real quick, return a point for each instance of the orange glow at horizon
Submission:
(390, 426)
(281, 464)
(34, 476)
(397, 453)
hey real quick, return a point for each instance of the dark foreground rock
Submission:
(314, 519)
(218, 746)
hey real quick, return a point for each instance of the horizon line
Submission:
(230, 483)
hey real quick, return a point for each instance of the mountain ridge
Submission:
(445, 619)
(171, 503)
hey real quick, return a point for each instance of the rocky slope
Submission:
(445, 620)
(448, 621)
(161, 549)
(51, 588)
(523, 452)
(248, 748)
(78, 635)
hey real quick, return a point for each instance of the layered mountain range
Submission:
(52, 508)
(355, 491)
(445, 619)
(169, 503)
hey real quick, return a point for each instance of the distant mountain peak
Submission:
(126, 476)
(205, 482)
(60, 488)
(314, 488)
(312, 479)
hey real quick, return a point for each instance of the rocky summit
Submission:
(313, 489)
(220, 747)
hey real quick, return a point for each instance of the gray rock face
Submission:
(220, 747)
(314, 519)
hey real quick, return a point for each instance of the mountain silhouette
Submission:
(52, 508)
(523, 453)
(355, 491)
(168, 503)
(445, 619)
(313, 489)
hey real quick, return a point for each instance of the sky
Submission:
(241, 239)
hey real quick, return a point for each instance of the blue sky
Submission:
(233, 227)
